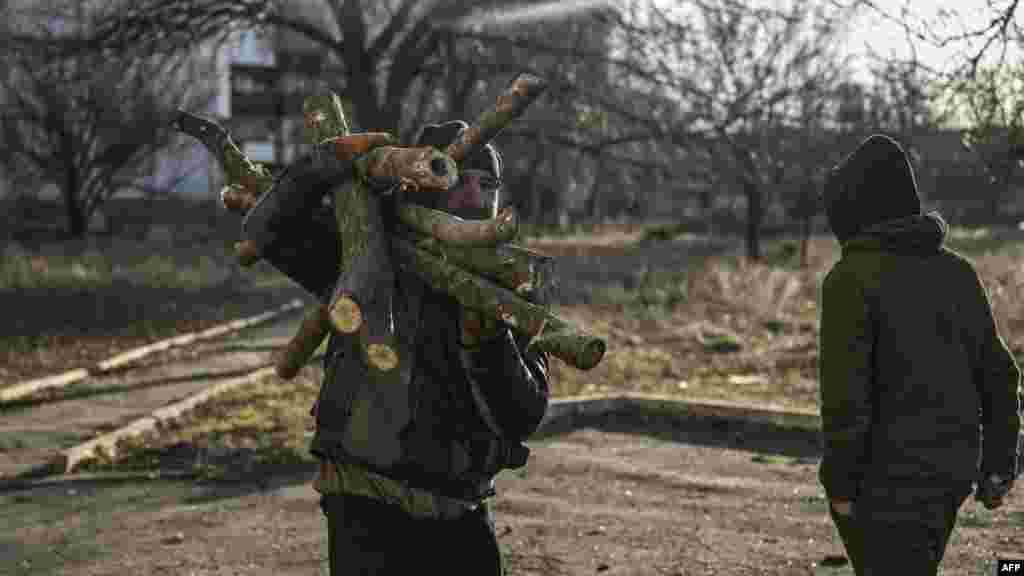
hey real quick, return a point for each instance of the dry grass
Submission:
(69, 304)
(748, 331)
(260, 425)
(725, 329)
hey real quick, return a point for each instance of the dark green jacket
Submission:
(911, 363)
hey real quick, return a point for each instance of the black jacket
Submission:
(911, 362)
(446, 420)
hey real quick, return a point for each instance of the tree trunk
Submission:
(753, 193)
(805, 239)
(73, 204)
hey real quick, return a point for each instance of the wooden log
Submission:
(548, 332)
(418, 169)
(323, 118)
(362, 296)
(324, 121)
(521, 92)
(236, 199)
(519, 269)
(348, 148)
(248, 253)
(305, 342)
(242, 176)
(456, 231)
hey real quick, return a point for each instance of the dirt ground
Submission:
(624, 495)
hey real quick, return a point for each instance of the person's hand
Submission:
(842, 506)
(991, 491)
(477, 327)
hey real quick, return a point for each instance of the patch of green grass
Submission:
(768, 459)
(975, 517)
(665, 232)
(816, 504)
(980, 241)
(722, 344)
(34, 440)
(92, 268)
(50, 528)
(1016, 518)
(655, 290)
(783, 254)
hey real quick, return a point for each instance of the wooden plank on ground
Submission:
(66, 461)
(26, 388)
(31, 386)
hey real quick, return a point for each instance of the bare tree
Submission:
(989, 40)
(380, 50)
(740, 73)
(88, 124)
(993, 102)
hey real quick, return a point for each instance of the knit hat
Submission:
(873, 184)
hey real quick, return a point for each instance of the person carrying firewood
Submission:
(407, 469)
(911, 367)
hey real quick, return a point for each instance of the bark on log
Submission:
(456, 231)
(324, 118)
(511, 104)
(305, 342)
(348, 148)
(236, 199)
(549, 333)
(521, 270)
(362, 295)
(244, 178)
(418, 169)
(248, 253)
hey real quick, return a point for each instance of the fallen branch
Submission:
(456, 231)
(548, 332)
(511, 104)
(521, 270)
(245, 181)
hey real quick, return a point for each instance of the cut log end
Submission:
(248, 253)
(382, 357)
(346, 316)
(237, 199)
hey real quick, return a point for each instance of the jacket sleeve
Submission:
(510, 383)
(845, 361)
(998, 381)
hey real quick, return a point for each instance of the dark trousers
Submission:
(366, 536)
(899, 531)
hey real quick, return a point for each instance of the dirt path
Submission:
(697, 498)
(31, 431)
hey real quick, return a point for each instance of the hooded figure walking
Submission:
(911, 365)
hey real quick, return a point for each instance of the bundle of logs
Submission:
(471, 260)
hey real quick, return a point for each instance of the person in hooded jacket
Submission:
(911, 365)
(406, 472)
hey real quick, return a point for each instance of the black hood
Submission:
(920, 234)
(874, 184)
